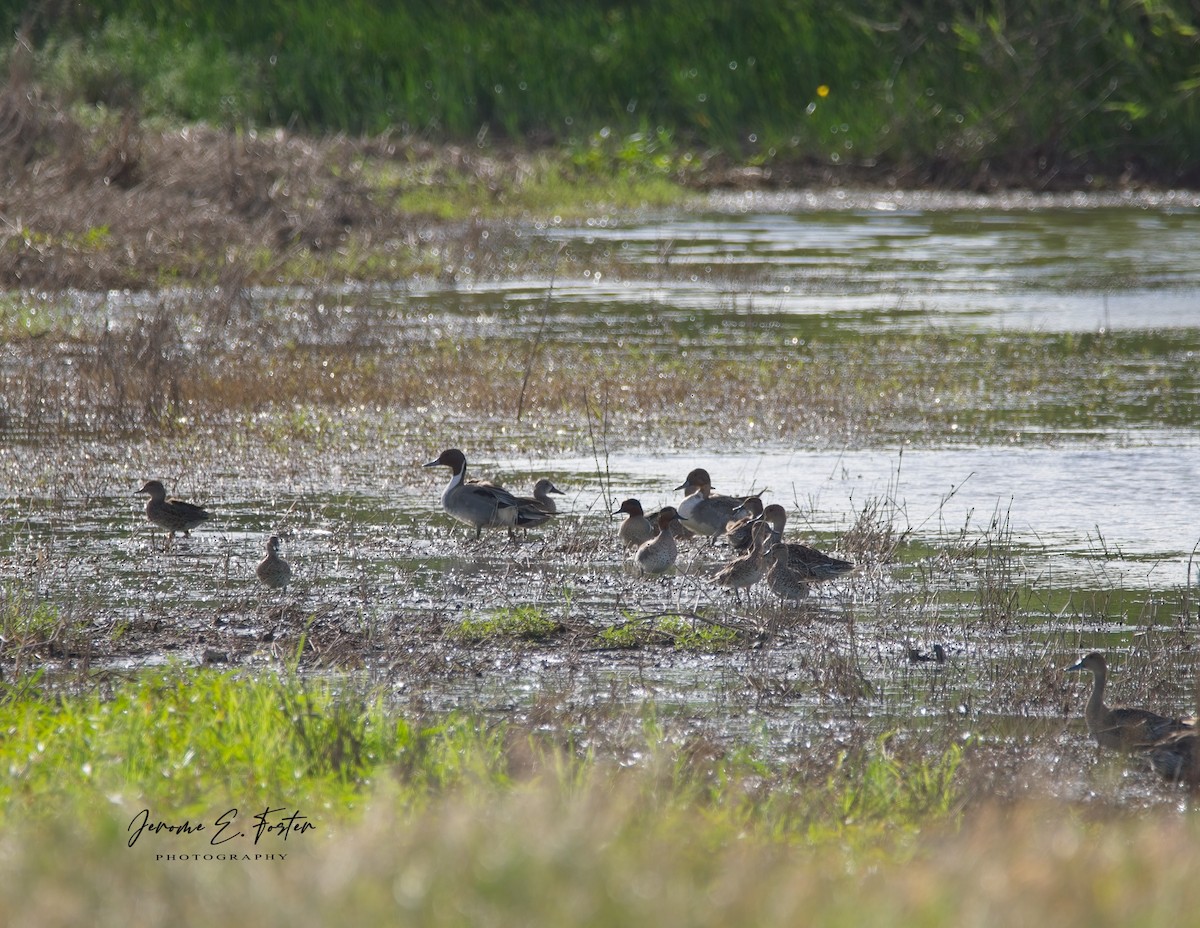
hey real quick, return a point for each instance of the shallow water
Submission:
(1097, 528)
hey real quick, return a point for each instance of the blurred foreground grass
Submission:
(460, 821)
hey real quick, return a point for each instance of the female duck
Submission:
(541, 496)
(1175, 758)
(740, 532)
(1121, 728)
(743, 572)
(658, 555)
(174, 515)
(637, 529)
(805, 564)
(483, 505)
(273, 570)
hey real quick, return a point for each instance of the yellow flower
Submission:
(823, 90)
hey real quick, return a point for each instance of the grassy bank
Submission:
(957, 94)
(441, 821)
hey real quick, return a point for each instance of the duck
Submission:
(483, 505)
(782, 580)
(175, 515)
(917, 656)
(273, 570)
(1175, 758)
(746, 570)
(740, 531)
(1121, 728)
(541, 496)
(658, 555)
(807, 563)
(636, 529)
(702, 512)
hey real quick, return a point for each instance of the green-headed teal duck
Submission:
(637, 529)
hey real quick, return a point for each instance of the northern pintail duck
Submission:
(807, 563)
(636, 530)
(483, 505)
(747, 569)
(273, 570)
(702, 512)
(174, 515)
(740, 532)
(1121, 728)
(658, 555)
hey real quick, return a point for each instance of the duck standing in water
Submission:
(541, 496)
(174, 515)
(1121, 728)
(740, 532)
(702, 512)
(637, 529)
(484, 505)
(807, 563)
(658, 555)
(747, 569)
(273, 570)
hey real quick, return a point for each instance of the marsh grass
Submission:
(225, 356)
(33, 629)
(530, 623)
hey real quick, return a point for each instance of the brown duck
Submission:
(1121, 728)
(174, 515)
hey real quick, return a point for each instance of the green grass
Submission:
(1046, 88)
(685, 633)
(192, 741)
(456, 820)
(530, 623)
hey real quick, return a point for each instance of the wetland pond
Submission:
(1016, 547)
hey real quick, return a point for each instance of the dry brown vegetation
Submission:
(119, 203)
